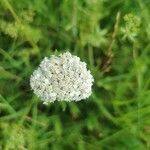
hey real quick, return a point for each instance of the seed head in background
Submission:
(62, 78)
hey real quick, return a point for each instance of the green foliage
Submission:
(132, 24)
(18, 30)
(112, 37)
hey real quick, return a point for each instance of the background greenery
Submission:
(112, 37)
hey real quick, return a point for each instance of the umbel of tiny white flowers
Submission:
(62, 78)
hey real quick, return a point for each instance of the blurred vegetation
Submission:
(113, 38)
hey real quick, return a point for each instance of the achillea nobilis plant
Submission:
(62, 77)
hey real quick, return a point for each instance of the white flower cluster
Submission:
(62, 77)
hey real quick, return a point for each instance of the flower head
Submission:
(62, 77)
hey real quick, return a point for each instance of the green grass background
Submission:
(113, 38)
